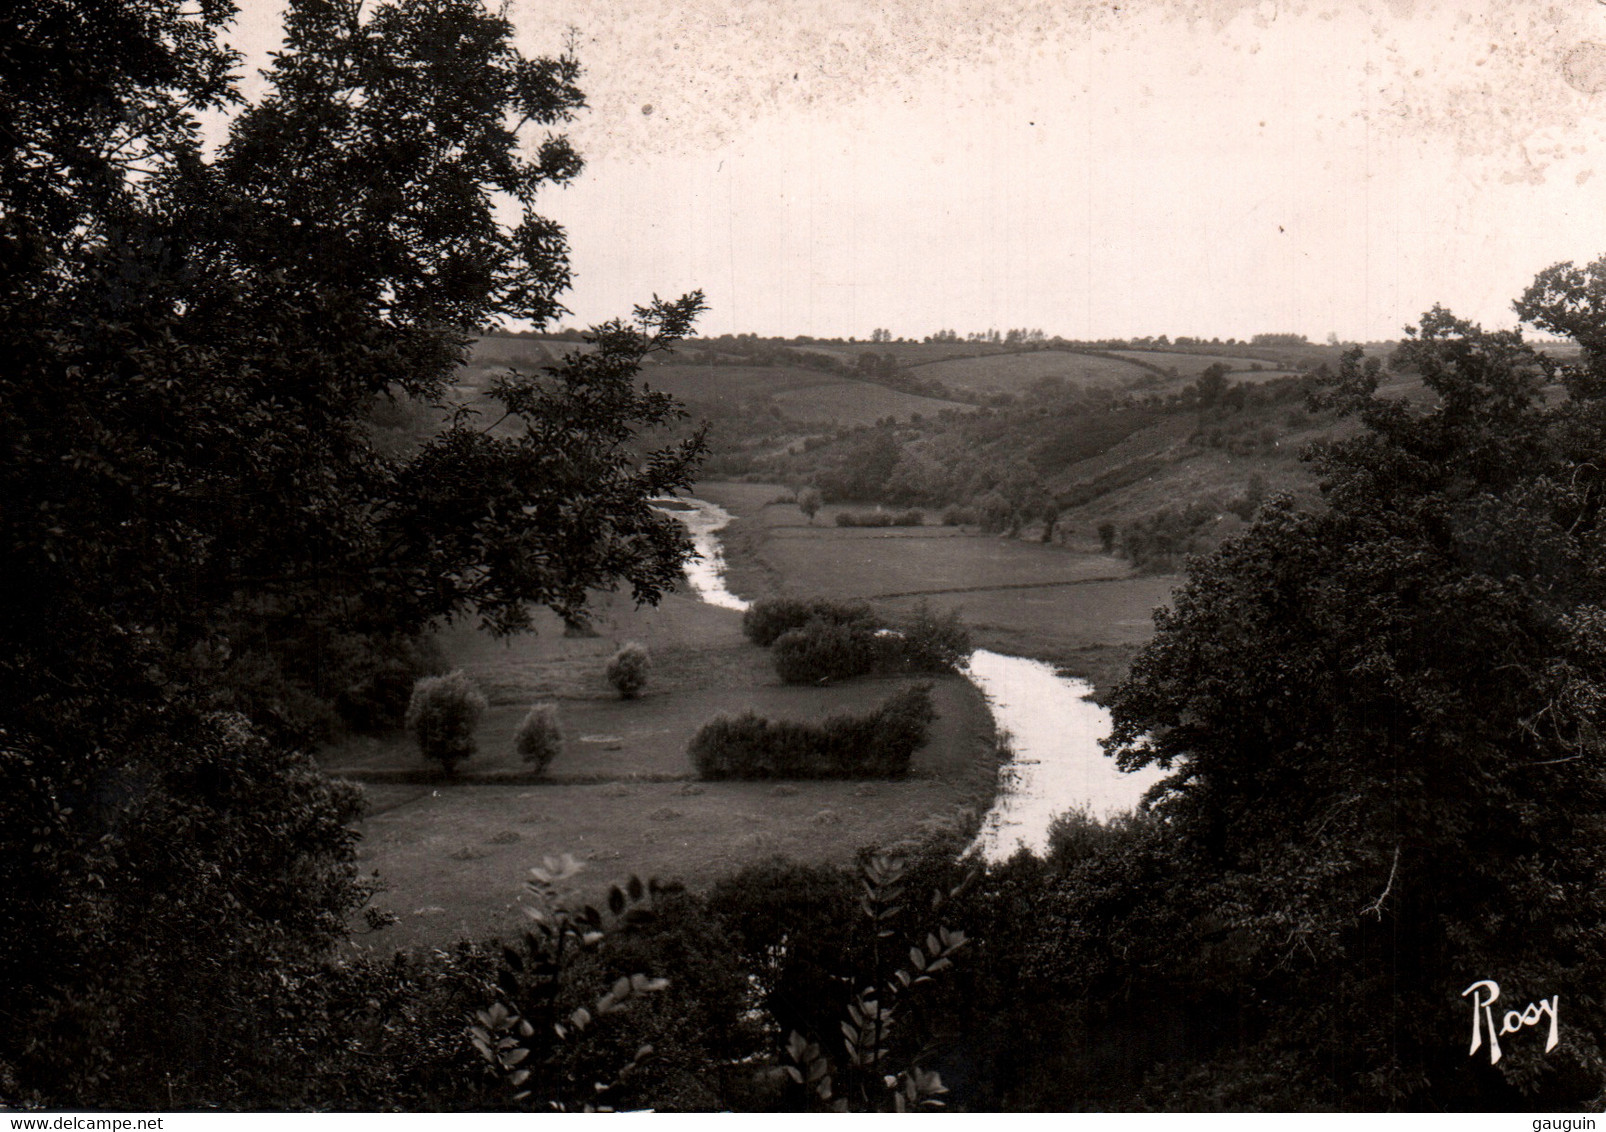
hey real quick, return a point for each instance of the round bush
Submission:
(539, 738)
(628, 669)
(442, 716)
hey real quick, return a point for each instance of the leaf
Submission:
(581, 1018)
(616, 900)
(634, 887)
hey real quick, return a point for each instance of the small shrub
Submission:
(442, 716)
(766, 620)
(933, 642)
(539, 738)
(877, 745)
(1076, 835)
(808, 502)
(628, 669)
(957, 516)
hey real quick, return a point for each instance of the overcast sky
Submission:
(1215, 169)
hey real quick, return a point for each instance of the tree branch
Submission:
(1376, 906)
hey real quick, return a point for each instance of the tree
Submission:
(1382, 722)
(808, 502)
(443, 717)
(1211, 385)
(192, 348)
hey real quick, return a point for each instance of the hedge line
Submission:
(877, 745)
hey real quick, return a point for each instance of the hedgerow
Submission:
(879, 744)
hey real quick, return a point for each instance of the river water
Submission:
(1053, 729)
(706, 573)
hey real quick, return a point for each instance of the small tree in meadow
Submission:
(539, 738)
(808, 502)
(628, 669)
(442, 716)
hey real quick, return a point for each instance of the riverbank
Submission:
(1053, 724)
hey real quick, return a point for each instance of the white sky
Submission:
(1215, 168)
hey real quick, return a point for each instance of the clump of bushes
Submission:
(629, 668)
(442, 715)
(879, 744)
(959, 516)
(880, 518)
(539, 738)
(822, 651)
(766, 620)
(817, 641)
(928, 641)
(1160, 543)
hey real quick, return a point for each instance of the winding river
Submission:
(1053, 729)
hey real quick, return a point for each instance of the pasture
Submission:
(1065, 603)
(1192, 365)
(798, 394)
(622, 795)
(801, 395)
(1015, 373)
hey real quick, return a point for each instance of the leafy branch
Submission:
(524, 1035)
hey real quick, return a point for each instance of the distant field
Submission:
(800, 394)
(907, 353)
(1192, 365)
(501, 350)
(1013, 373)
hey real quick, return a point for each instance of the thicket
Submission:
(766, 619)
(875, 745)
(880, 519)
(823, 649)
(1159, 543)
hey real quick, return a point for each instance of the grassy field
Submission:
(1192, 365)
(622, 795)
(799, 395)
(1015, 373)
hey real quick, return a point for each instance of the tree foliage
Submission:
(1383, 720)
(193, 346)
